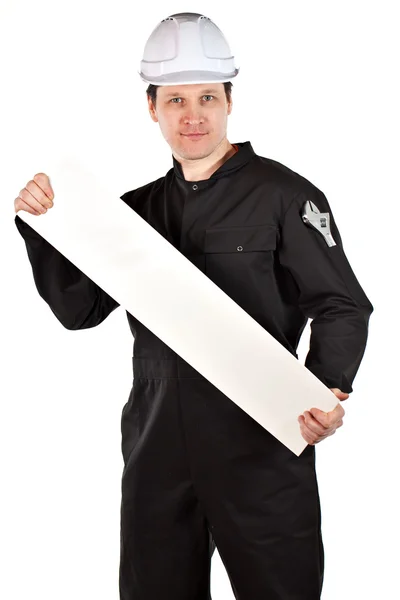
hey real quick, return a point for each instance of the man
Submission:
(199, 470)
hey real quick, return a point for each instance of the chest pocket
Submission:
(240, 261)
(258, 238)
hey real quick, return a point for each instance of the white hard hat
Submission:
(187, 48)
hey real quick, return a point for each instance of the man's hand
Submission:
(316, 425)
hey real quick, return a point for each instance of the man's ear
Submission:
(152, 109)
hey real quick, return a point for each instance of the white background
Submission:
(317, 91)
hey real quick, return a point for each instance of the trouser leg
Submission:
(260, 499)
(165, 541)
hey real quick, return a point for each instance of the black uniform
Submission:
(195, 462)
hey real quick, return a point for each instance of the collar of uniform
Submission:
(244, 154)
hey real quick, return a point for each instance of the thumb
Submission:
(339, 394)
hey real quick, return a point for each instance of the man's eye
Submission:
(179, 98)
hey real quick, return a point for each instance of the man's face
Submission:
(192, 108)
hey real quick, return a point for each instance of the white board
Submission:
(146, 275)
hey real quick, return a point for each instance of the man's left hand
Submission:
(316, 425)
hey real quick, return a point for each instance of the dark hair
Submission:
(152, 91)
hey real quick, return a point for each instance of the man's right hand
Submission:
(36, 197)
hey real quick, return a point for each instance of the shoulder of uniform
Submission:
(287, 182)
(289, 179)
(132, 196)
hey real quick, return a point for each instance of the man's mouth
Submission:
(194, 135)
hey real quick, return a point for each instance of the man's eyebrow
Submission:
(207, 91)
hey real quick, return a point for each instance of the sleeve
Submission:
(76, 301)
(328, 292)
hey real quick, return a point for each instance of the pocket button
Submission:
(239, 248)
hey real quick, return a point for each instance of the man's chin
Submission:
(186, 151)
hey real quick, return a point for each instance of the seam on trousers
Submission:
(187, 449)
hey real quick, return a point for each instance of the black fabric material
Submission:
(195, 462)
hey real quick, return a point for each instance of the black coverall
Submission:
(198, 470)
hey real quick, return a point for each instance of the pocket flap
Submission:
(241, 239)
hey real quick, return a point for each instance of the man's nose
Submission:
(193, 114)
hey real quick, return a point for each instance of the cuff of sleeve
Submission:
(29, 234)
(331, 380)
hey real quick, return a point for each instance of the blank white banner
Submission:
(154, 282)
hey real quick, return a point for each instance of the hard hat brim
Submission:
(189, 77)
